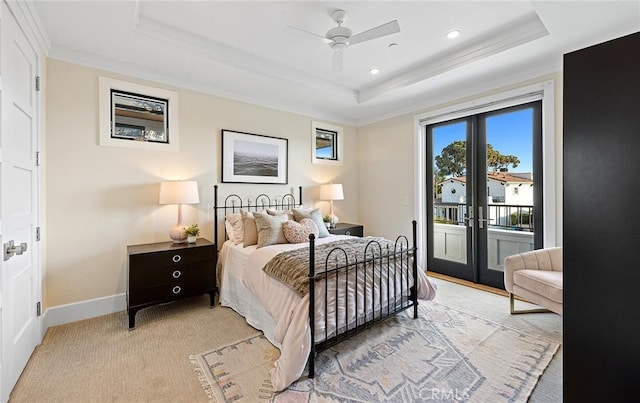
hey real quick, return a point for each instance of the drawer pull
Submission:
(176, 289)
(347, 232)
(176, 258)
(177, 274)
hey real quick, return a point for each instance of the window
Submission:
(326, 143)
(137, 116)
(326, 146)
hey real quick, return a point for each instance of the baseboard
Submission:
(61, 314)
(468, 283)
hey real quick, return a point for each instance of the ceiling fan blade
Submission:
(338, 56)
(377, 32)
(306, 34)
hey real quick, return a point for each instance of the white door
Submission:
(19, 202)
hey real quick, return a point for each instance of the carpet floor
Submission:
(99, 360)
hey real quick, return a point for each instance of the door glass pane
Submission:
(509, 185)
(449, 192)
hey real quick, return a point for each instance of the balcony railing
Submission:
(506, 216)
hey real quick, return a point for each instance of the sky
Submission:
(508, 133)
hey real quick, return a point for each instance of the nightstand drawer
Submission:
(170, 291)
(172, 257)
(148, 277)
(347, 229)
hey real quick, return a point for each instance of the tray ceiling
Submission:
(245, 50)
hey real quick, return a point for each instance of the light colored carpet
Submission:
(444, 354)
(99, 360)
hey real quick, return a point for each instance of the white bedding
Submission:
(235, 295)
(278, 311)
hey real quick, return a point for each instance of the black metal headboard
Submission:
(233, 203)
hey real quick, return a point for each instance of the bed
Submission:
(348, 283)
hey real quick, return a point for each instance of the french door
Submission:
(485, 179)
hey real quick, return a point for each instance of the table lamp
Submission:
(331, 192)
(179, 192)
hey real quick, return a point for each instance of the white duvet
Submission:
(288, 324)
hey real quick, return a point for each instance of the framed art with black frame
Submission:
(253, 158)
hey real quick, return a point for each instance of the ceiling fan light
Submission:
(339, 32)
(338, 46)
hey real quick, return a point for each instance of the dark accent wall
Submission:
(602, 222)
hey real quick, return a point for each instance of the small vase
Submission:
(192, 239)
(328, 225)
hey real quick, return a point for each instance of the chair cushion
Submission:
(541, 282)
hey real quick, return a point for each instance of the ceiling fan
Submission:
(340, 37)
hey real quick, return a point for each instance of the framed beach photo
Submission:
(253, 158)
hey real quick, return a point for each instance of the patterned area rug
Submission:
(444, 355)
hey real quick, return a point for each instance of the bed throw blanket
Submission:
(292, 267)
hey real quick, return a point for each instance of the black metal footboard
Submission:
(350, 301)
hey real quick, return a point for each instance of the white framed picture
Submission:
(137, 116)
(253, 158)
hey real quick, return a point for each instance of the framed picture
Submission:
(137, 116)
(253, 158)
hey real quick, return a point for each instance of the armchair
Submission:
(535, 276)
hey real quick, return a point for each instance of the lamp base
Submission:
(178, 234)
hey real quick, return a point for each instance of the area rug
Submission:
(444, 355)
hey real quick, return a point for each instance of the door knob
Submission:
(11, 249)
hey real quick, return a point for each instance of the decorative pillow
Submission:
(250, 229)
(270, 229)
(229, 230)
(316, 216)
(288, 213)
(298, 232)
(237, 232)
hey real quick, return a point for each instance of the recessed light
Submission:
(453, 34)
(374, 70)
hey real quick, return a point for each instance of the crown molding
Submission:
(516, 33)
(537, 72)
(183, 82)
(26, 13)
(227, 55)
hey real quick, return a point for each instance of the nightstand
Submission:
(343, 228)
(164, 272)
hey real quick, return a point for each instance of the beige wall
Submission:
(385, 173)
(386, 168)
(101, 199)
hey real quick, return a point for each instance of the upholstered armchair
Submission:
(535, 276)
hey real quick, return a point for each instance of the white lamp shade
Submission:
(332, 191)
(179, 192)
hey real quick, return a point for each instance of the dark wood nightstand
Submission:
(163, 272)
(343, 228)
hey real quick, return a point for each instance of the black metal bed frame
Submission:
(375, 258)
